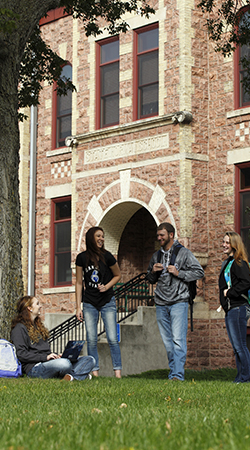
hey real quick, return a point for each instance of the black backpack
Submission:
(191, 285)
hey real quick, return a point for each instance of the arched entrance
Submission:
(137, 244)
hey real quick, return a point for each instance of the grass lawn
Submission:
(141, 412)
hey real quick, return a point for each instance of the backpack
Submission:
(191, 285)
(9, 364)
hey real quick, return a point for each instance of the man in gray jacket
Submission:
(172, 296)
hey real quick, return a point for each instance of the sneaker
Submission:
(89, 376)
(68, 377)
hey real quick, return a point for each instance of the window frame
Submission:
(136, 70)
(55, 116)
(55, 201)
(99, 44)
(238, 192)
(237, 77)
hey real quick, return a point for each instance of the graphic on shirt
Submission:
(95, 277)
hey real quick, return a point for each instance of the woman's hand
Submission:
(102, 287)
(79, 314)
(225, 292)
(52, 356)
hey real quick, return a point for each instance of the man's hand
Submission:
(173, 271)
(157, 267)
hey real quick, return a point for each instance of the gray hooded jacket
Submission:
(171, 289)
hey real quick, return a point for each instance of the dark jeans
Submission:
(236, 323)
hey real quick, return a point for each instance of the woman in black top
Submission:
(100, 272)
(30, 338)
(234, 283)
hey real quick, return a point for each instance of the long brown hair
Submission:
(93, 253)
(239, 249)
(36, 329)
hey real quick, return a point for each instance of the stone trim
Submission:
(59, 290)
(238, 112)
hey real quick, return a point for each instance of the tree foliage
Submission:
(40, 63)
(228, 25)
(7, 20)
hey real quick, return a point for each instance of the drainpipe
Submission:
(32, 202)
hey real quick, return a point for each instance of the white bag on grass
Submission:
(9, 364)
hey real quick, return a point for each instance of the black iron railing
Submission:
(69, 330)
(136, 292)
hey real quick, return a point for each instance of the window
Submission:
(146, 77)
(242, 98)
(62, 113)
(243, 203)
(107, 83)
(61, 242)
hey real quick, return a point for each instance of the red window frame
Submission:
(55, 116)
(237, 76)
(99, 44)
(52, 246)
(238, 192)
(136, 70)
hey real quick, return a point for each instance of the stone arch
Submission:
(118, 202)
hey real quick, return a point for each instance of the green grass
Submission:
(141, 412)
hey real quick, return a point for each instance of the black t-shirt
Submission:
(96, 275)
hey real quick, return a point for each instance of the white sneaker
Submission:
(89, 376)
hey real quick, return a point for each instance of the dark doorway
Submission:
(137, 244)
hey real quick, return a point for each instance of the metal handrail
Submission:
(69, 330)
(129, 296)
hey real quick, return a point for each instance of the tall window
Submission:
(242, 98)
(108, 83)
(61, 242)
(146, 78)
(62, 113)
(243, 203)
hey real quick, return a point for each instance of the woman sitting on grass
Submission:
(30, 338)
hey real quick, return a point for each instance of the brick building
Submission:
(159, 130)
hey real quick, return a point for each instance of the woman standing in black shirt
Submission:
(234, 283)
(100, 272)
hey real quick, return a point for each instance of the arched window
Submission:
(62, 113)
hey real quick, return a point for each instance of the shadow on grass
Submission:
(202, 375)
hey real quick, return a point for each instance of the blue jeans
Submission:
(173, 323)
(236, 323)
(108, 314)
(57, 368)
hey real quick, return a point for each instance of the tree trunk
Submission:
(11, 51)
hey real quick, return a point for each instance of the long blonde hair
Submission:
(239, 249)
(36, 329)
